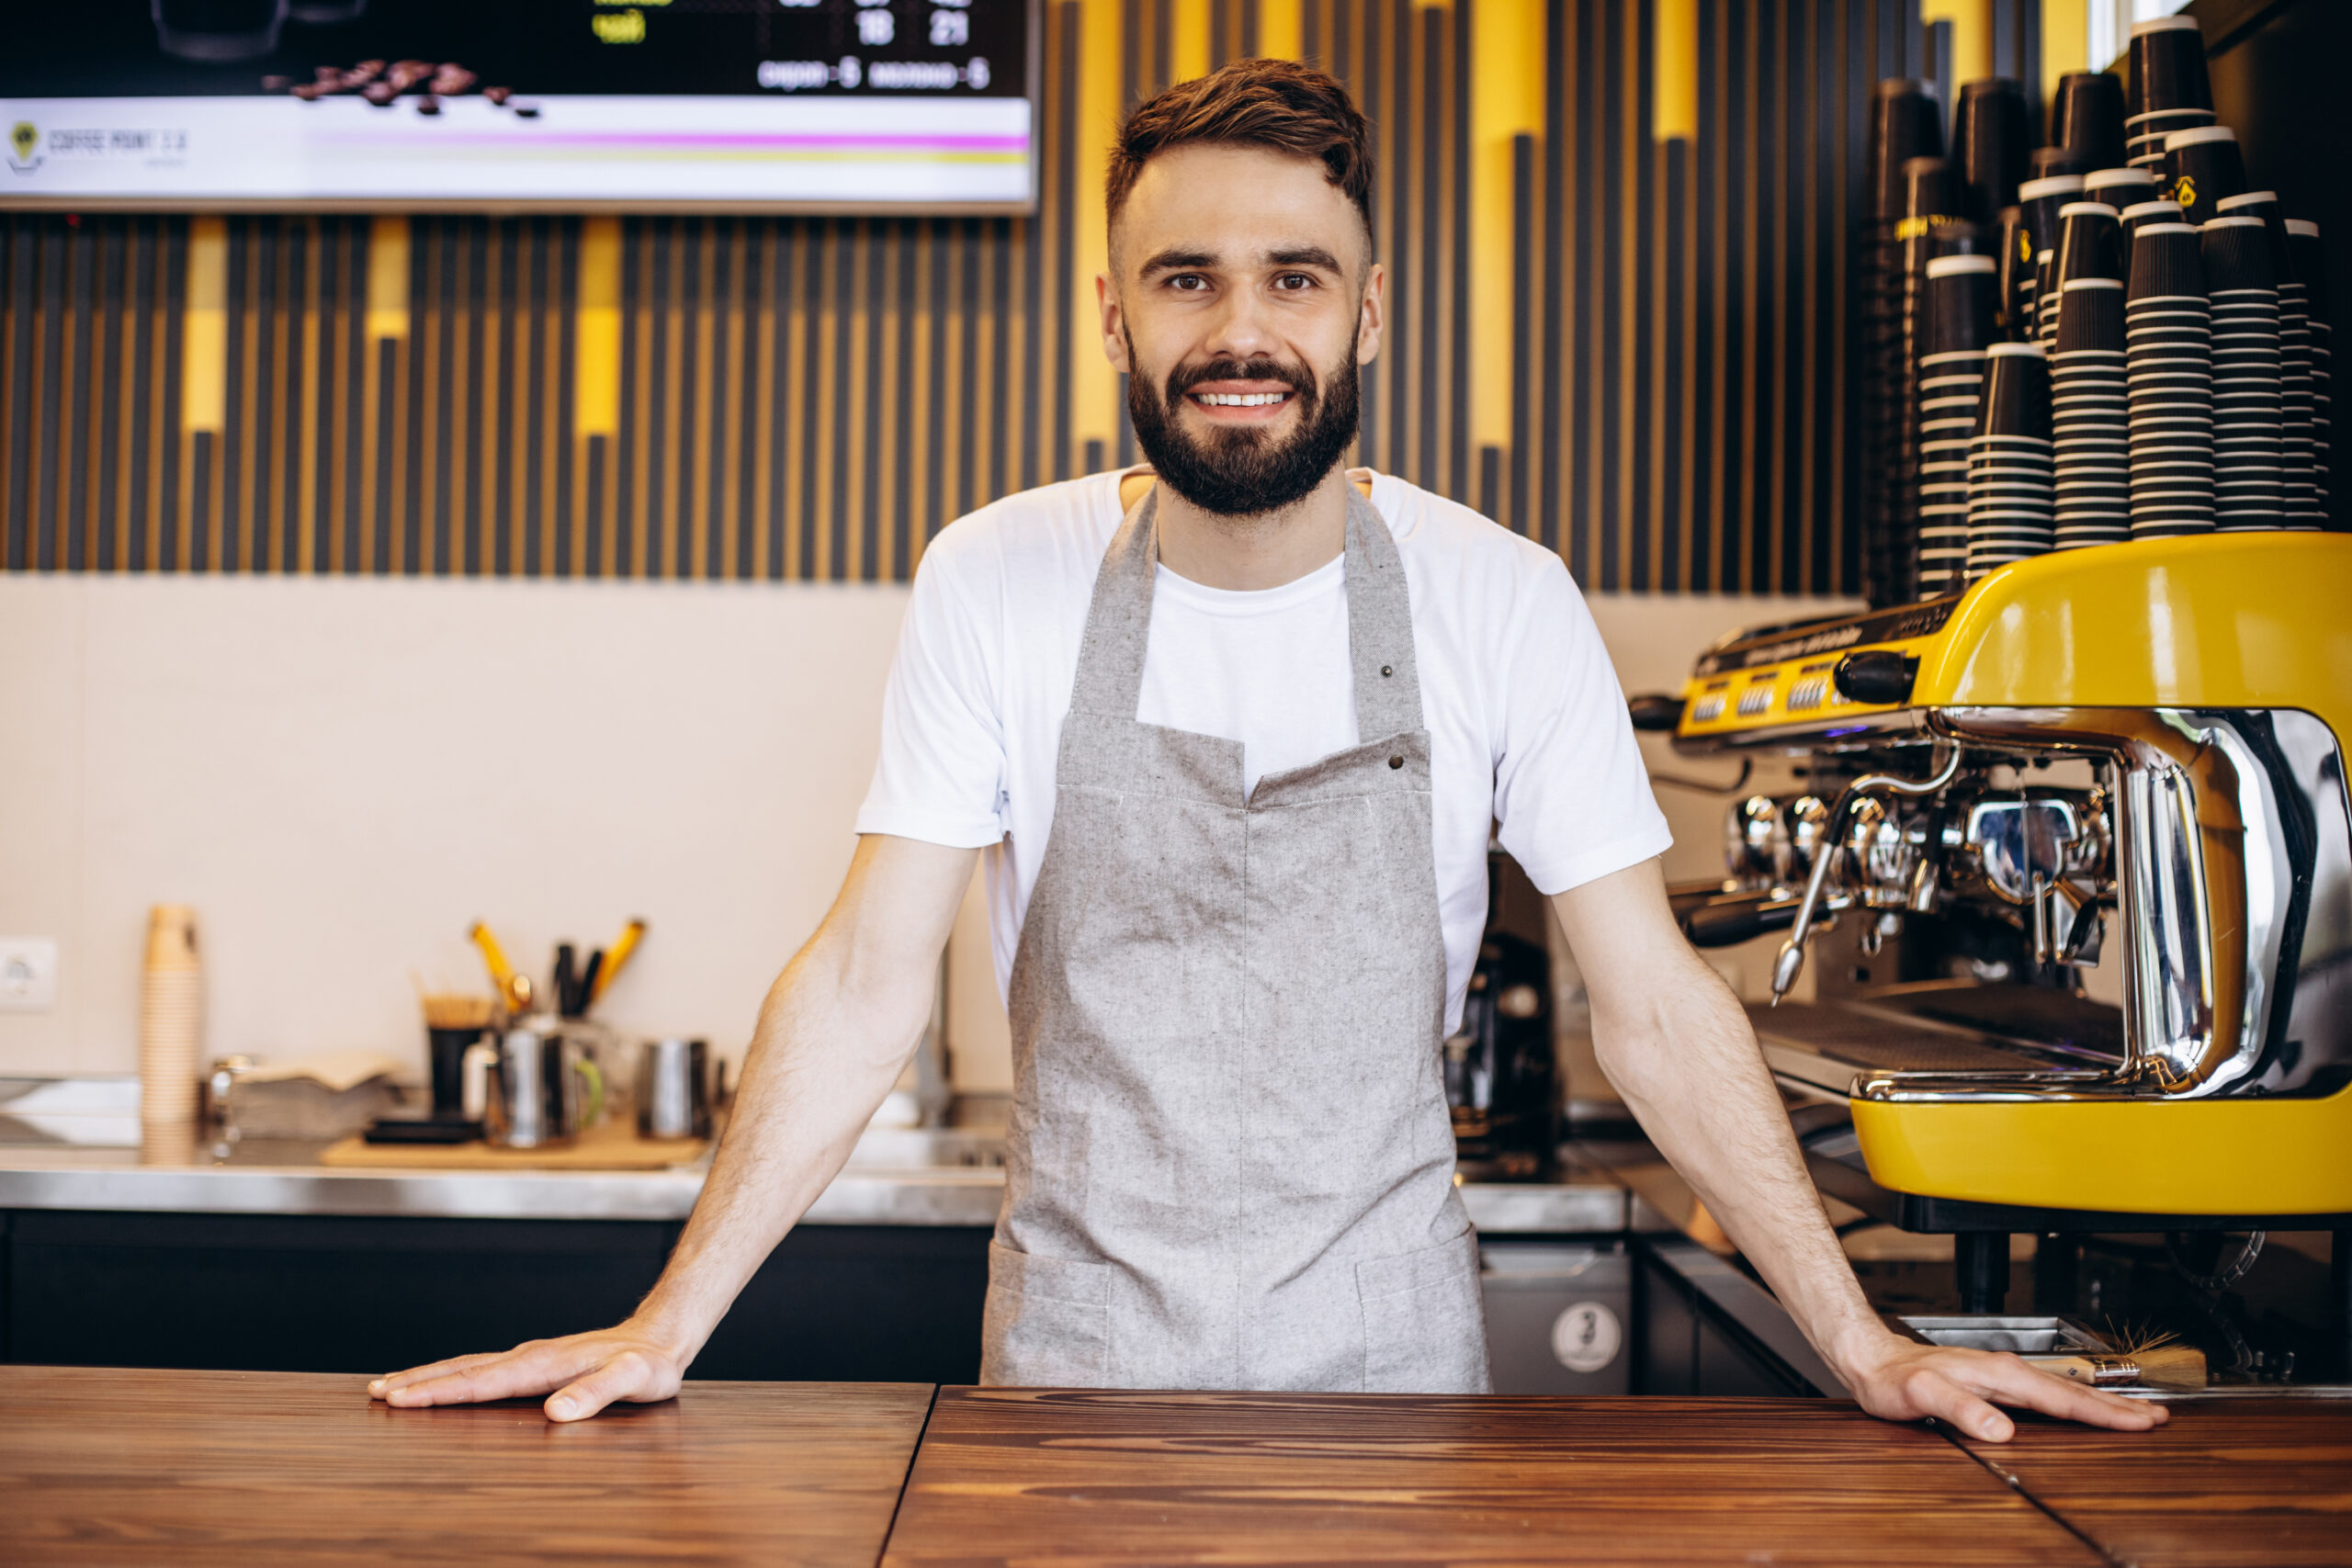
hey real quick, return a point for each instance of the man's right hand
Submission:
(584, 1371)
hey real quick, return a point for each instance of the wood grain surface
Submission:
(108, 1466)
(2226, 1482)
(1047, 1477)
(608, 1145)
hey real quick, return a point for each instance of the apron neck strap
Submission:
(1380, 621)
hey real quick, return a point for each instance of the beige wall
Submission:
(341, 775)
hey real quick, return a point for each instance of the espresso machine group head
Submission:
(2121, 764)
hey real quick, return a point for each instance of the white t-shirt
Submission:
(1528, 730)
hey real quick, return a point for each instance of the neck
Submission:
(1264, 549)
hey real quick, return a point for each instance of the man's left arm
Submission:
(1677, 1044)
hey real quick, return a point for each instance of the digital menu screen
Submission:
(809, 105)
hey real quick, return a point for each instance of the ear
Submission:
(1373, 319)
(1114, 337)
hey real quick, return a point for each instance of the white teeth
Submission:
(1239, 400)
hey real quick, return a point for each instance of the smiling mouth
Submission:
(1239, 400)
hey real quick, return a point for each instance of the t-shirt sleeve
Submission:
(941, 774)
(1572, 799)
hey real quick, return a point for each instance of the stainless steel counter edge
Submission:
(930, 1196)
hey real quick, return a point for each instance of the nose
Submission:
(1242, 328)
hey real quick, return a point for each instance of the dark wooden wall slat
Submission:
(806, 399)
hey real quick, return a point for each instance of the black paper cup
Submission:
(2089, 243)
(2237, 257)
(2017, 395)
(2167, 263)
(2041, 201)
(1990, 139)
(2013, 279)
(2201, 167)
(2263, 204)
(1906, 122)
(2118, 188)
(2167, 67)
(2311, 265)
(2087, 116)
(1960, 303)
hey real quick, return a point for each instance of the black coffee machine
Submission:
(1501, 1076)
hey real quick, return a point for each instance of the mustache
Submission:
(1297, 378)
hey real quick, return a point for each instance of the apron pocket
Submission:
(1424, 1320)
(1047, 1322)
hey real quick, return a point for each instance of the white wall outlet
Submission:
(28, 973)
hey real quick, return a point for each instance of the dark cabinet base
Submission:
(306, 1293)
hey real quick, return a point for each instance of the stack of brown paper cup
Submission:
(170, 1019)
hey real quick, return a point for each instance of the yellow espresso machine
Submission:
(2072, 869)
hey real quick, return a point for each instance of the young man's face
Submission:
(1242, 300)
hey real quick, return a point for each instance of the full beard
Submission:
(1244, 472)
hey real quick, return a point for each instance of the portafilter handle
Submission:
(1789, 962)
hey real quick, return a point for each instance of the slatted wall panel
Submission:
(1660, 324)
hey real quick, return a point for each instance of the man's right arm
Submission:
(838, 1027)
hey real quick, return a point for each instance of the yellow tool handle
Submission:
(617, 955)
(501, 974)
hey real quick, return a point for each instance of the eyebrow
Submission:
(1178, 260)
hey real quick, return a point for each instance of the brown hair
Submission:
(1278, 104)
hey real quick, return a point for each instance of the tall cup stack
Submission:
(171, 1029)
(1904, 123)
(1960, 328)
(2167, 90)
(2088, 417)
(1931, 218)
(2302, 238)
(2249, 413)
(2169, 361)
(2011, 493)
(2299, 480)
(2043, 199)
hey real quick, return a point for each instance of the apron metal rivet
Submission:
(1387, 670)
(1395, 762)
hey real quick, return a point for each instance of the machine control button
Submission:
(1707, 709)
(1807, 694)
(1755, 699)
(1879, 675)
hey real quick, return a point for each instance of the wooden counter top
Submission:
(2225, 1483)
(102, 1466)
(214, 1469)
(1025, 1476)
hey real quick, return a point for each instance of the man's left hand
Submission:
(1894, 1378)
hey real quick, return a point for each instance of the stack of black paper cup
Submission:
(2169, 360)
(1904, 123)
(2302, 238)
(2087, 422)
(2299, 483)
(2249, 433)
(1989, 137)
(2042, 201)
(2169, 89)
(2090, 245)
(2087, 119)
(2010, 494)
(1931, 216)
(2203, 168)
(1960, 328)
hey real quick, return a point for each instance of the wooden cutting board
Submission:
(614, 1145)
(1009, 1476)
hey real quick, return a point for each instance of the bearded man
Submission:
(1232, 732)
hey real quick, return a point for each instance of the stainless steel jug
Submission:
(543, 1088)
(673, 1089)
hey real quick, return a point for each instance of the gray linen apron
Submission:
(1230, 1162)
